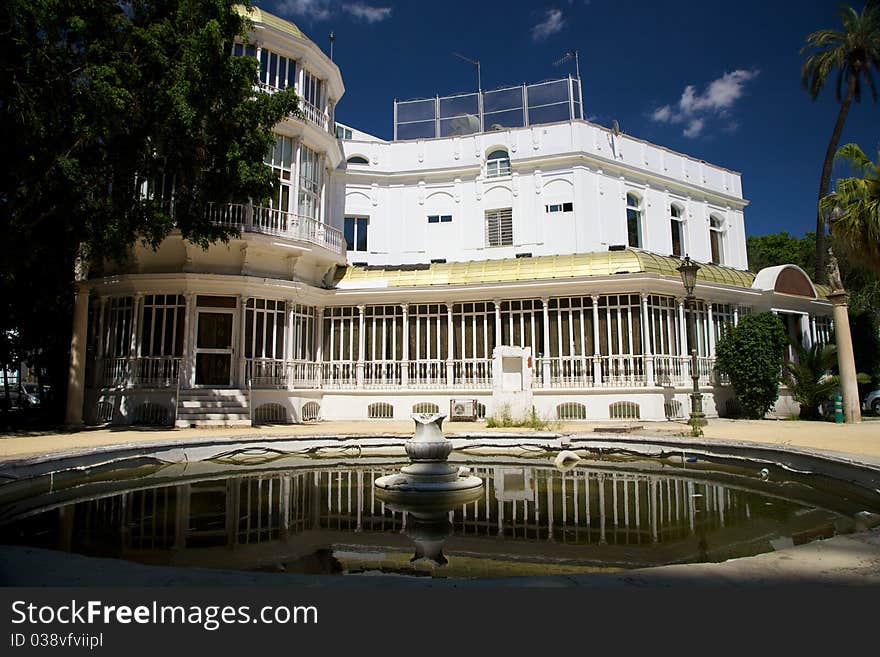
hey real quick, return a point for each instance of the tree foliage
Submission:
(106, 108)
(809, 377)
(851, 55)
(751, 355)
(780, 249)
(854, 208)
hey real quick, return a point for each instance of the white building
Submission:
(500, 250)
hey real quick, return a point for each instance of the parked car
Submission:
(872, 402)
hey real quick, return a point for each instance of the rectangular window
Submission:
(311, 180)
(312, 90)
(355, 233)
(439, 218)
(499, 227)
(559, 207)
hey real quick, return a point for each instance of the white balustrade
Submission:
(472, 373)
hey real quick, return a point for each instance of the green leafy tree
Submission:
(751, 355)
(809, 377)
(781, 249)
(854, 208)
(102, 101)
(852, 53)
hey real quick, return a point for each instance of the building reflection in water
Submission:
(249, 521)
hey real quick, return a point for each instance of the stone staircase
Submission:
(218, 407)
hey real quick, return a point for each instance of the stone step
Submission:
(196, 403)
(213, 407)
(182, 423)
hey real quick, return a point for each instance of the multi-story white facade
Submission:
(511, 262)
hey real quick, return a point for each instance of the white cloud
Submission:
(694, 108)
(662, 114)
(322, 10)
(367, 13)
(553, 22)
(317, 10)
(694, 128)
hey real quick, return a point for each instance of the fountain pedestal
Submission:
(429, 480)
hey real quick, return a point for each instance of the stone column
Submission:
(498, 340)
(287, 343)
(545, 362)
(845, 360)
(450, 344)
(189, 342)
(319, 346)
(76, 375)
(597, 351)
(647, 329)
(404, 366)
(711, 342)
(242, 337)
(683, 338)
(134, 350)
(359, 367)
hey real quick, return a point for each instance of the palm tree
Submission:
(808, 378)
(854, 208)
(853, 52)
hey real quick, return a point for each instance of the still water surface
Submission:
(323, 517)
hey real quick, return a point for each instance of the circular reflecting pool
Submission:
(259, 511)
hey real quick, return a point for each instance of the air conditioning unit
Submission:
(463, 410)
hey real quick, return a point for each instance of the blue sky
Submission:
(718, 80)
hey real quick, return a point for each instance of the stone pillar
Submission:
(359, 367)
(287, 343)
(498, 340)
(711, 342)
(545, 362)
(806, 333)
(76, 375)
(845, 360)
(189, 342)
(137, 305)
(597, 351)
(683, 338)
(450, 343)
(319, 345)
(404, 366)
(242, 325)
(648, 354)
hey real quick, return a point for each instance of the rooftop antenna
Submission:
(332, 38)
(476, 63)
(571, 54)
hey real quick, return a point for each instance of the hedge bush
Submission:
(751, 355)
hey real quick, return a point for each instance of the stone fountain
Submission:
(429, 488)
(429, 480)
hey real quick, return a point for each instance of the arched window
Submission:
(676, 225)
(634, 220)
(497, 163)
(357, 159)
(716, 239)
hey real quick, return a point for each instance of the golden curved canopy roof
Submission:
(265, 18)
(603, 263)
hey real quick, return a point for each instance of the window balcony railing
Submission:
(143, 372)
(309, 113)
(571, 372)
(472, 373)
(269, 221)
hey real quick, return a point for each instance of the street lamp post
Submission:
(688, 270)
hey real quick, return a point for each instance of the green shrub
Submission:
(503, 418)
(809, 379)
(751, 354)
